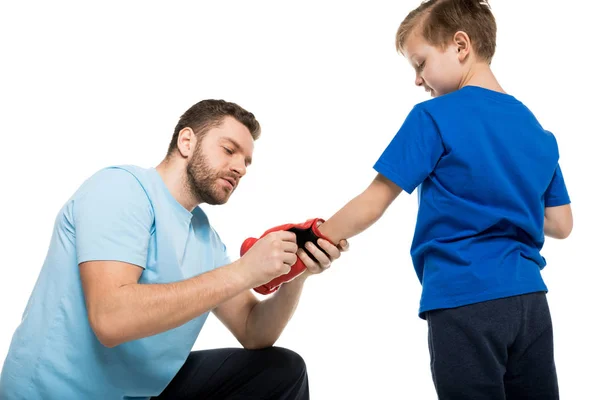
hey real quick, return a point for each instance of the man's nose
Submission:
(239, 167)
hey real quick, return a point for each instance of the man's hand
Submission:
(258, 324)
(331, 254)
(270, 257)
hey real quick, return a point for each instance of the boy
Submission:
(490, 188)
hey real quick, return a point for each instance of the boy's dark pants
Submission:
(495, 350)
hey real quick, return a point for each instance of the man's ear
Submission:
(186, 142)
(462, 43)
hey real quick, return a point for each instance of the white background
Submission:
(86, 85)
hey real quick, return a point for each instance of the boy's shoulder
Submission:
(471, 102)
(450, 100)
(469, 98)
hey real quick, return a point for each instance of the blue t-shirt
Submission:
(485, 169)
(125, 214)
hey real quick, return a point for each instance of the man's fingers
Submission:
(289, 247)
(321, 257)
(332, 251)
(290, 258)
(311, 266)
(287, 236)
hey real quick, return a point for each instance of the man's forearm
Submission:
(268, 318)
(139, 310)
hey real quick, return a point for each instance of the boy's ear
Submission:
(462, 42)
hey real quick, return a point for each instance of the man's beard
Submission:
(202, 180)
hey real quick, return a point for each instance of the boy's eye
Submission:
(228, 150)
(420, 66)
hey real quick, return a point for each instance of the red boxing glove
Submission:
(305, 232)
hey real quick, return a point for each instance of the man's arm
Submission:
(120, 309)
(558, 221)
(258, 324)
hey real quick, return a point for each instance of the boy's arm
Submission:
(362, 211)
(558, 221)
(407, 161)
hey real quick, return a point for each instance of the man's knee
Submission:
(286, 362)
(288, 359)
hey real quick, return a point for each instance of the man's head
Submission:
(443, 39)
(215, 140)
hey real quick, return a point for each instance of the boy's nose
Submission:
(418, 80)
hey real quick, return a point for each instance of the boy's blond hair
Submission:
(438, 20)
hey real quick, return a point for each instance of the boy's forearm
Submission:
(558, 221)
(355, 217)
(362, 211)
(548, 228)
(554, 230)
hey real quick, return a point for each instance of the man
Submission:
(133, 269)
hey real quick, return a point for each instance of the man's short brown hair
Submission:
(208, 114)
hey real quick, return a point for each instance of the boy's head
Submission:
(444, 39)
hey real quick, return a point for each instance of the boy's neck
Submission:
(480, 74)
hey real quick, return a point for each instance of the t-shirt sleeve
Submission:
(113, 219)
(557, 194)
(223, 257)
(414, 151)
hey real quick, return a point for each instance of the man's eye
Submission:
(228, 150)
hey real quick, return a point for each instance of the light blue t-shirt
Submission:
(127, 214)
(486, 169)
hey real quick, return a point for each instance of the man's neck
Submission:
(173, 175)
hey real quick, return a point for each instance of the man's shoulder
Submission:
(117, 180)
(120, 175)
(120, 172)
